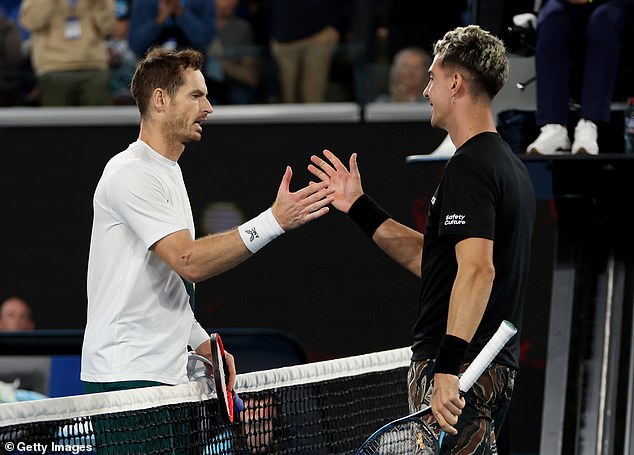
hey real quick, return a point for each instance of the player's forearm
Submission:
(398, 241)
(469, 298)
(213, 255)
(401, 243)
(468, 301)
(218, 253)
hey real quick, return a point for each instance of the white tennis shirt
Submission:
(139, 318)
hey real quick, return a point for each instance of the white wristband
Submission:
(260, 230)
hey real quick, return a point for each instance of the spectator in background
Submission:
(10, 61)
(565, 27)
(416, 23)
(304, 38)
(365, 41)
(69, 52)
(26, 92)
(408, 76)
(11, 9)
(15, 314)
(122, 59)
(256, 12)
(173, 24)
(231, 69)
(22, 378)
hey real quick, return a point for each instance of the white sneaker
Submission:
(586, 138)
(552, 139)
(446, 148)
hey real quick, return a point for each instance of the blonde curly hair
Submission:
(479, 53)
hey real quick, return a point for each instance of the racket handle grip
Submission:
(486, 355)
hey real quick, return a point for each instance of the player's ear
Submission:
(457, 83)
(159, 99)
(457, 80)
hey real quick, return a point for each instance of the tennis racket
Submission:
(225, 395)
(230, 402)
(411, 435)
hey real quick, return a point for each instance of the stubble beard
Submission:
(178, 129)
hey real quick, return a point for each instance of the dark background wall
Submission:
(325, 284)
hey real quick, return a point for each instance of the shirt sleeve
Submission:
(141, 202)
(468, 200)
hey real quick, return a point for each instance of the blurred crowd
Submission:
(83, 52)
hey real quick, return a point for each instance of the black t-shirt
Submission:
(485, 192)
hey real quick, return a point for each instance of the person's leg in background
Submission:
(316, 63)
(287, 57)
(94, 88)
(604, 34)
(57, 89)
(559, 29)
(555, 38)
(603, 40)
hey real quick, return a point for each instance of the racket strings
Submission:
(412, 437)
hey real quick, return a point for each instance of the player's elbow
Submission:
(187, 267)
(198, 270)
(479, 271)
(192, 273)
(486, 272)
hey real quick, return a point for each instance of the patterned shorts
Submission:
(486, 405)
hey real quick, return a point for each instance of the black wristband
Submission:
(451, 355)
(367, 214)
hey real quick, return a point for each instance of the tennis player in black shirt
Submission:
(473, 258)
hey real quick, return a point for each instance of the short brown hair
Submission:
(161, 68)
(480, 53)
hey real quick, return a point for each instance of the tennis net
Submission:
(325, 407)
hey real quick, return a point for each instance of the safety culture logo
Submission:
(454, 219)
